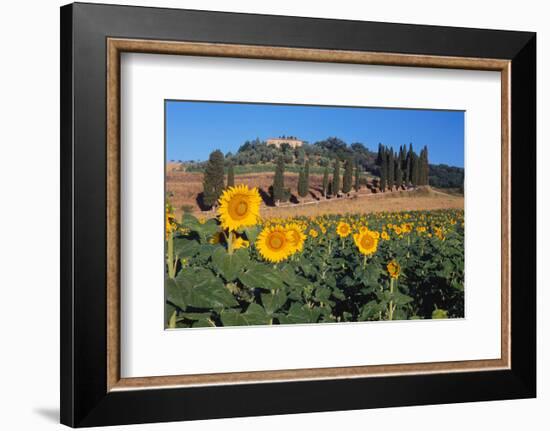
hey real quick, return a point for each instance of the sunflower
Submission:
(313, 233)
(274, 244)
(240, 243)
(366, 242)
(170, 224)
(216, 238)
(239, 207)
(385, 235)
(343, 229)
(393, 268)
(296, 236)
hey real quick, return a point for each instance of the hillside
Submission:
(257, 156)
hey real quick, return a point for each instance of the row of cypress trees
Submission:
(402, 168)
(331, 185)
(397, 169)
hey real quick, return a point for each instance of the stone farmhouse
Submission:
(292, 141)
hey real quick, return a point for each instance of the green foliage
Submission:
(357, 183)
(335, 189)
(391, 169)
(445, 176)
(213, 181)
(398, 174)
(384, 170)
(230, 175)
(279, 181)
(328, 281)
(439, 314)
(415, 176)
(325, 182)
(303, 189)
(256, 156)
(306, 176)
(348, 176)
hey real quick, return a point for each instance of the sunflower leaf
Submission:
(261, 277)
(229, 265)
(200, 288)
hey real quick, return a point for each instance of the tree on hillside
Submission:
(415, 177)
(383, 172)
(407, 176)
(230, 175)
(410, 164)
(357, 184)
(398, 174)
(391, 169)
(302, 187)
(335, 189)
(306, 175)
(325, 182)
(380, 155)
(278, 189)
(213, 180)
(424, 167)
(300, 156)
(347, 182)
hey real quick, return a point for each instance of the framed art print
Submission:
(252, 219)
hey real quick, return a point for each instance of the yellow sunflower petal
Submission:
(239, 207)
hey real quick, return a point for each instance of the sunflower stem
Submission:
(390, 311)
(230, 243)
(170, 257)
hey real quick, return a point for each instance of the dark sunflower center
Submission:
(366, 242)
(240, 208)
(276, 241)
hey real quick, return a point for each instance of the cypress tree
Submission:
(391, 169)
(336, 178)
(410, 163)
(398, 174)
(380, 155)
(306, 175)
(278, 188)
(357, 184)
(383, 172)
(421, 169)
(407, 178)
(415, 170)
(302, 190)
(347, 182)
(213, 180)
(325, 182)
(426, 167)
(230, 175)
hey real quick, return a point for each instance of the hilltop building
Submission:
(292, 141)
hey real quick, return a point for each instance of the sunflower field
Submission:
(238, 269)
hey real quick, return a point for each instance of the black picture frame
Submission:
(85, 400)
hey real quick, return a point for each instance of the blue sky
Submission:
(194, 129)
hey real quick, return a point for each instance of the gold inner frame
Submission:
(116, 46)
